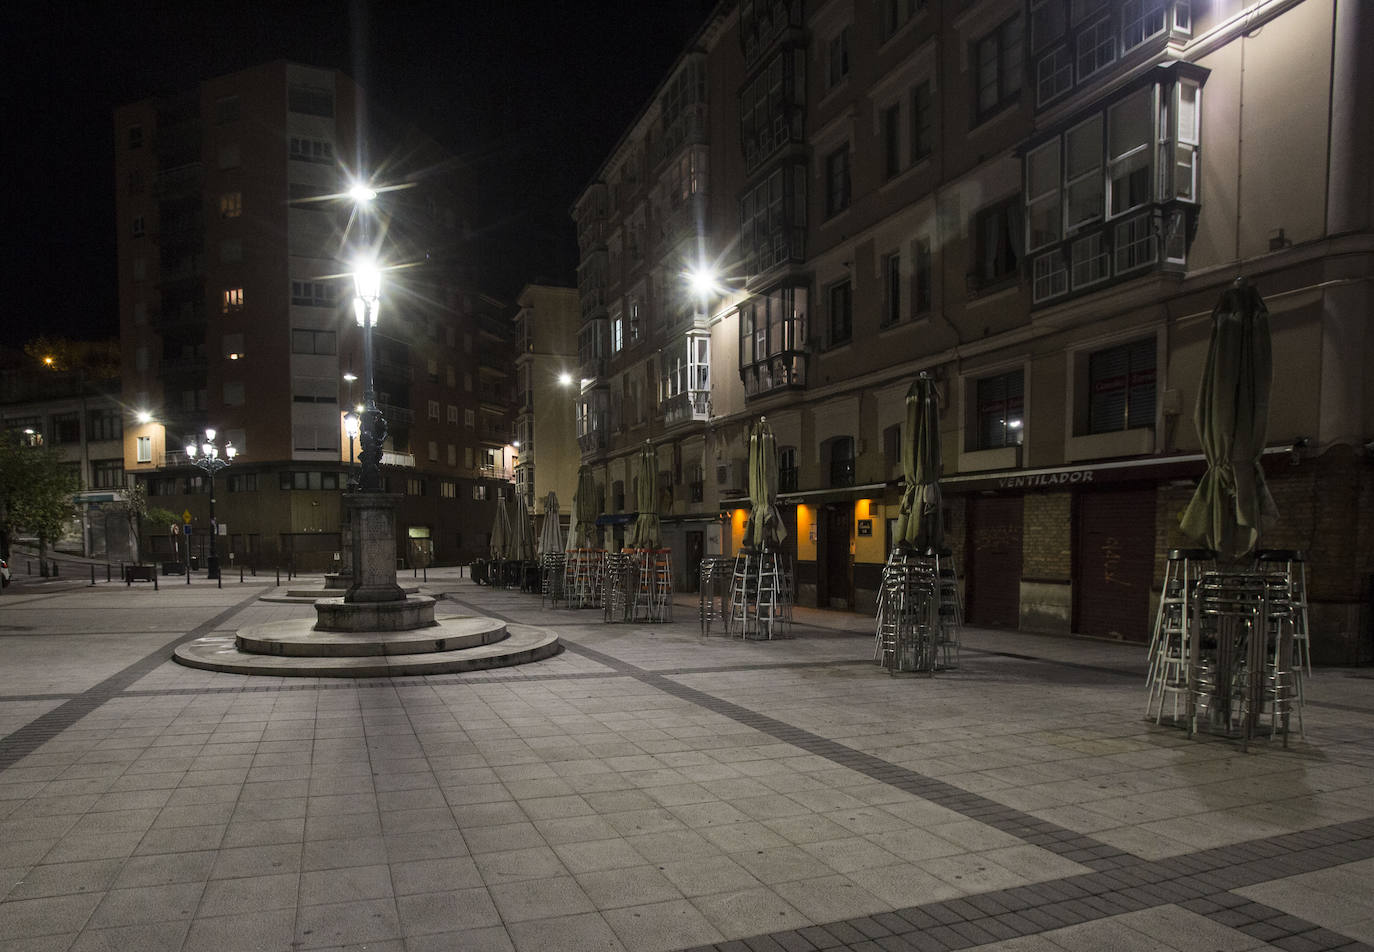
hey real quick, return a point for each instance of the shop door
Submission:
(1114, 549)
(994, 561)
(696, 548)
(835, 568)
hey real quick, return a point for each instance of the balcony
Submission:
(392, 370)
(692, 405)
(496, 472)
(183, 366)
(493, 327)
(398, 459)
(398, 416)
(493, 363)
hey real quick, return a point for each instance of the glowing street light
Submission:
(207, 457)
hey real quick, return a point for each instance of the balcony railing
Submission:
(687, 406)
(396, 415)
(496, 472)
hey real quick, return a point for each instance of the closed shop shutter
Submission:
(1114, 544)
(994, 561)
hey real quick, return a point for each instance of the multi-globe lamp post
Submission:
(367, 285)
(207, 456)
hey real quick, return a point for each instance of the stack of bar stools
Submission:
(1175, 626)
(1284, 680)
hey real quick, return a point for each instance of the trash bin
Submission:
(195, 563)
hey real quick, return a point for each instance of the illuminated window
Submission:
(233, 300)
(1000, 410)
(231, 205)
(145, 449)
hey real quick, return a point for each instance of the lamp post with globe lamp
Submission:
(207, 457)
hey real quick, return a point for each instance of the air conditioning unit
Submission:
(732, 475)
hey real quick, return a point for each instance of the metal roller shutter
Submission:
(1114, 546)
(994, 561)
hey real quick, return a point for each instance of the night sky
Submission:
(530, 95)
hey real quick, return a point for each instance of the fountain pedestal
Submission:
(373, 520)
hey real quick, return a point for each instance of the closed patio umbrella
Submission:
(920, 525)
(501, 541)
(586, 507)
(646, 531)
(764, 530)
(551, 534)
(1232, 502)
(522, 528)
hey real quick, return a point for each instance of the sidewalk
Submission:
(650, 789)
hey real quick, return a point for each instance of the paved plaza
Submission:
(649, 788)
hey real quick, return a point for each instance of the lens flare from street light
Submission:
(703, 280)
(361, 193)
(143, 416)
(565, 379)
(367, 280)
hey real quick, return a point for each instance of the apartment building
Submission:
(236, 240)
(1038, 204)
(546, 327)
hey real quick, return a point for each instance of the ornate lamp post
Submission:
(367, 284)
(207, 457)
(352, 425)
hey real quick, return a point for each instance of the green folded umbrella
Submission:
(920, 525)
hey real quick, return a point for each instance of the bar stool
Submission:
(1171, 644)
(1292, 562)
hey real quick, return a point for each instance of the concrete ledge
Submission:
(219, 653)
(406, 614)
(299, 639)
(301, 596)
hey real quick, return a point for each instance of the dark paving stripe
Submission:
(1199, 882)
(1050, 836)
(32, 735)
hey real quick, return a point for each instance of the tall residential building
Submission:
(546, 397)
(235, 246)
(1036, 202)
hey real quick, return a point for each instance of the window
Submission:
(66, 428)
(842, 462)
(323, 343)
(617, 333)
(892, 289)
(314, 390)
(467, 456)
(1053, 75)
(1129, 134)
(837, 180)
(772, 225)
(432, 407)
(107, 474)
(1121, 387)
(773, 340)
(1000, 410)
(922, 123)
(301, 149)
(470, 419)
(922, 289)
(104, 425)
(231, 205)
(1044, 212)
(1047, 23)
(998, 60)
(1083, 172)
(892, 140)
(452, 414)
(144, 449)
(242, 482)
(299, 479)
(232, 300)
(452, 455)
(841, 301)
(479, 493)
(229, 156)
(312, 294)
(434, 451)
(231, 250)
(310, 100)
(1096, 48)
(448, 489)
(233, 394)
(307, 437)
(1142, 19)
(787, 469)
(432, 370)
(837, 59)
(994, 236)
(137, 226)
(894, 15)
(467, 382)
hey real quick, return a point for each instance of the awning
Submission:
(616, 518)
(1052, 478)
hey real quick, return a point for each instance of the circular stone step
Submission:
(299, 638)
(306, 596)
(523, 645)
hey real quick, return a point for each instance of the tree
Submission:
(38, 490)
(137, 511)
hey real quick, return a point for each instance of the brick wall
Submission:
(1048, 547)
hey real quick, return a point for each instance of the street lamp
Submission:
(352, 424)
(207, 457)
(367, 285)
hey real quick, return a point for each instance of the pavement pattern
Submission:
(649, 788)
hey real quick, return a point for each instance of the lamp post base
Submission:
(212, 568)
(373, 519)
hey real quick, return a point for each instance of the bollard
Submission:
(188, 573)
(240, 574)
(278, 576)
(54, 568)
(426, 573)
(107, 571)
(155, 581)
(219, 580)
(92, 573)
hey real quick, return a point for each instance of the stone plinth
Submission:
(373, 520)
(339, 614)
